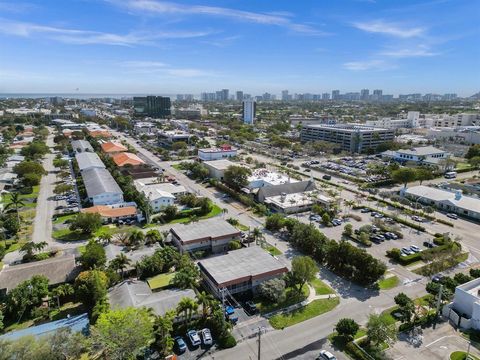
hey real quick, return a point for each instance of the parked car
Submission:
(326, 355)
(194, 338)
(452, 216)
(415, 248)
(180, 344)
(336, 222)
(315, 217)
(327, 177)
(429, 244)
(207, 337)
(407, 251)
(381, 237)
(230, 314)
(437, 278)
(365, 210)
(251, 307)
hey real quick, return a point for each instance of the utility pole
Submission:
(439, 303)
(259, 342)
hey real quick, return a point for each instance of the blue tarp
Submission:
(77, 323)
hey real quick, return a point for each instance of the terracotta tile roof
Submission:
(107, 211)
(99, 133)
(110, 146)
(126, 158)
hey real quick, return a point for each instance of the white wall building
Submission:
(101, 187)
(222, 152)
(466, 305)
(424, 154)
(217, 168)
(159, 195)
(263, 177)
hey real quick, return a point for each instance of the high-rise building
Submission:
(364, 94)
(249, 108)
(219, 95)
(239, 95)
(284, 95)
(207, 96)
(377, 95)
(156, 106)
(225, 95)
(180, 97)
(335, 94)
(325, 96)
(267, 96)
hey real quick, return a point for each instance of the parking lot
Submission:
(69, 201)
(410, 236)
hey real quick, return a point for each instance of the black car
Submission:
(250, 307)
(326, 177)
(428, 244)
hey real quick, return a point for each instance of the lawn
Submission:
(315, 308)
(216, 210)
(460, 258)
(291, 297)
(321, 288)
(63, 218)
(242, 227)
(461, 355)
(463, 166)
(177, 167)
(387, 315)
(388, 283)
(160, 281)
(273, 250)
(27, 197)
(339, 342)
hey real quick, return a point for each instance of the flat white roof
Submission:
(272, 177)
(296, 199)
(222, 164)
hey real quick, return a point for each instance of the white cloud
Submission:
(164, 7)
(143, 64)
(157, 67)
(420, 51)
(387, 28)
(367, 65)
(86, 37)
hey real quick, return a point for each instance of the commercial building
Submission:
(153, 106)
(212, 235)
(112, 148)
(468, 135)
(217, 168)
(348, 137)
(263, 177)
(249, 109)
(80, 146)
(99, 133)
(296, 202)
(171, 136)
(285, 189)
(453, 202)
(421, 155)
(125, 158)
(101, 187)
(222, 152)
(464, 311)
(240, 270)
(144, 127)
(89, 160)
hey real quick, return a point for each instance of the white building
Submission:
(424, 155)
(296, 202)
(101, 187)
(216, 168)
(263, 177)
(249, 108)
(89, 160)
(144, 127)
(454, 202)
(222, 152)
(465, 306)
(159, 195)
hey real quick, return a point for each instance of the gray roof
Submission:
(241, 264)
(81, 145)
(422, 151)
(211, 228)
(88, 160)
(57, 270)
(289, 188)
(137, 293)
(99, 181)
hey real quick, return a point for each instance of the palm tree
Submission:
(105, 238)
(136, 238)
(185, 308)
(61, 291)
(224, 211)
(120, 262)
(153, 236)
(16, 202)
(348, 204)
(207, 301)
(258, 236)
(30, 247)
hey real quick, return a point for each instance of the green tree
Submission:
(179, 145)
(31, 179)
(326, 219)
(170, 212)
(163, 328)
(207, 302)
(62, 188)
(474, 161)
(136, 238)
(27, 295)
(123, 333)
(31, 247)
(62, 291)
(406, 306)
(273, 290)
(303, 270)
(87, 223)
(422, 174)
(187, 274)
(16, 202)
(404, 176)
(186, 308)
(379, 331)
(473, 151)
(274, 222)
(91, 287)
(11, 224)
(94, 256)
(120, 262)
(236, 176)
(348, 230)
(347, 328)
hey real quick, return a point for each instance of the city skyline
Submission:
(155, 47)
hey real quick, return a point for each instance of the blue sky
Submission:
(153, 46)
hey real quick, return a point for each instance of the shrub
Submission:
(226, 342)
(234, 245)
(475, 273)
(394, 254)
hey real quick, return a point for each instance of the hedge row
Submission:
(355, 353)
